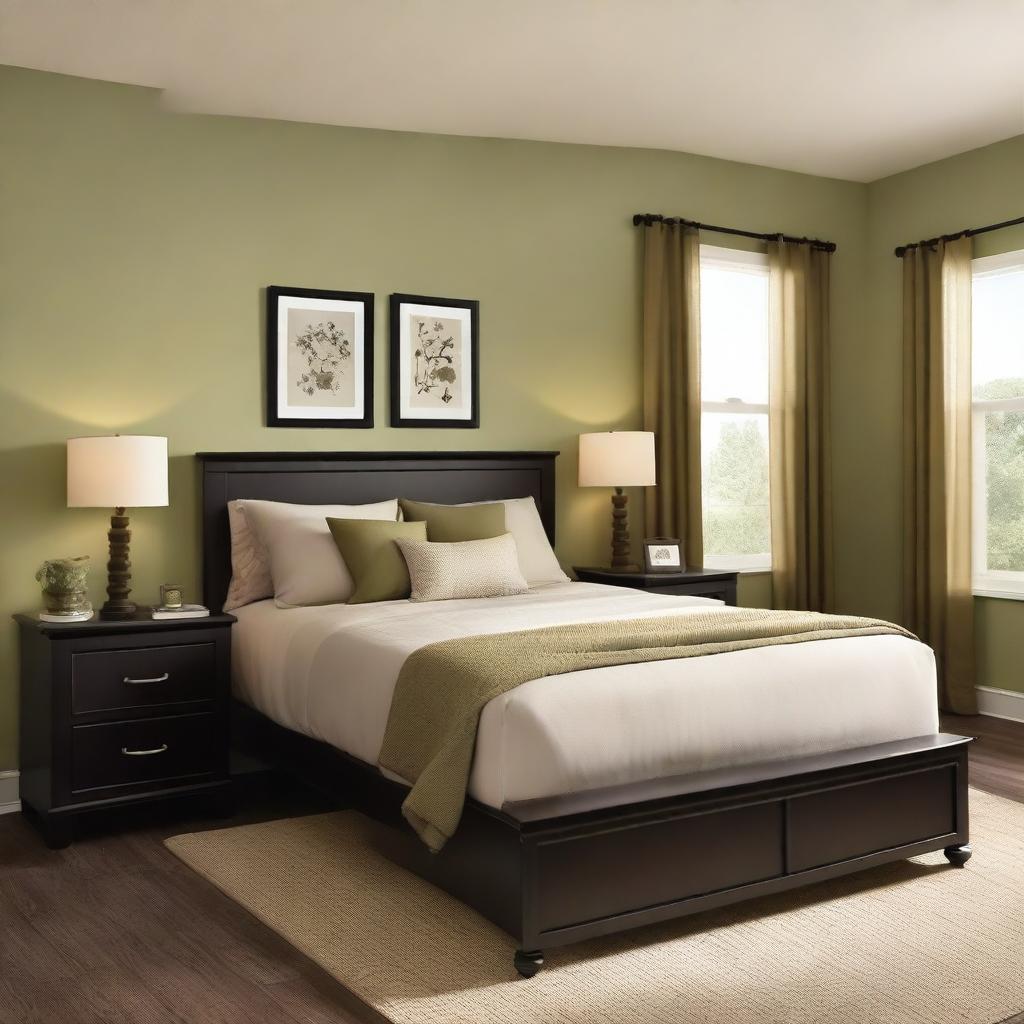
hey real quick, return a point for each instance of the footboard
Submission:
(600, 862)
(567, 868)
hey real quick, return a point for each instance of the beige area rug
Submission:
(916, 942)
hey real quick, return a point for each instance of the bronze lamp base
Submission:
(117, 605)
(620, 534)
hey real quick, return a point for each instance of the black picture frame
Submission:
(400, 418)
(275, 352)
(656, 542)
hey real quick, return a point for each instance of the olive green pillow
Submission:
(368, 549)
(452, 523)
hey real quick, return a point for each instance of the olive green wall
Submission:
(984, 186)
(135, 244)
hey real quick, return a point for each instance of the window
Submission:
(997, 365)
(734, 408)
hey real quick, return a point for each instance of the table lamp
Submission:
(618, 458)
(117, 472)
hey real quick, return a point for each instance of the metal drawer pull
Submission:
(155, 679)
(143, 753)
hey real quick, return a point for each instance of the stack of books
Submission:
(181, 611)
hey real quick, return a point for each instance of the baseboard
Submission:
(9, 790)
(998, 703)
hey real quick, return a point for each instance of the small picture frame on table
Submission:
(435, 361)
(663, 554)
(319, 358)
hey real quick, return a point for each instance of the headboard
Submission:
(352, 478)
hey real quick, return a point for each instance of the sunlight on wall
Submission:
(101, 406)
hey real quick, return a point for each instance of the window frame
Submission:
(985, 582)
(721, 256)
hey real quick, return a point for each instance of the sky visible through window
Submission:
(997, 342)
(734, 333)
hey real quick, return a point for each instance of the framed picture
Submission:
(319, 358)
(435, 362)
(663, 554)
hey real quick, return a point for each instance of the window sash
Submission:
(988, 582)
(737, 405)
(742, 261)
(750, 563)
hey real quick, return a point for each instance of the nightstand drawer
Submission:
(695, 582)
(145, 750)
(141, 677)
(725, 591)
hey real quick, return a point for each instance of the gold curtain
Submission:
(799, 427)
(671, 333)
(937, 601)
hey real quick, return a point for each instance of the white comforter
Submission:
(330, 671)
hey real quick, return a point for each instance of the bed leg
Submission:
(528, 963)
(958, 856)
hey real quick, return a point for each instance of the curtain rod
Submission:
(968, 232)
(651, 218)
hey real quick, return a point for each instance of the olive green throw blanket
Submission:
(443, 687)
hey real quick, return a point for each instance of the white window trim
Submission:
(733, 259)
(1003, 262)
(987, 582)
(992, 586)
(745, 565)
(742, 260)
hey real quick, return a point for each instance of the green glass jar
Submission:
(65, 585)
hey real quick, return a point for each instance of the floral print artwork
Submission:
(321, 358)
(433, 361)
(436, 362)
(325, 348)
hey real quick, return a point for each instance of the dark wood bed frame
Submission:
(562, 869)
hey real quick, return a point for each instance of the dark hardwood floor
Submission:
(116, 929)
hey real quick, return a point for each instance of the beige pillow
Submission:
(537, 560)
(463, 569)
(250, 567)
(305, 563)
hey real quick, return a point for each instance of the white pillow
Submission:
(305, 564)
(537, 560)
(440, 571)
(250, 566)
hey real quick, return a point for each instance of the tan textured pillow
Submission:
(463, 569)
(250, 567)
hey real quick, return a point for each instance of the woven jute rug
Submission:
(916, 942)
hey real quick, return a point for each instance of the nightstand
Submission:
(717, 583)
(119, 713)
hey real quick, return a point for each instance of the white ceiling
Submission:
(853, 89)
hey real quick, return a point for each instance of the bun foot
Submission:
(958, 856)
(528, 963)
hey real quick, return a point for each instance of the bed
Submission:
(744, 774)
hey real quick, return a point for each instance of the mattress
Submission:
(329, 672)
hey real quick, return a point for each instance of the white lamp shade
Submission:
(617, 458)
(124, 471)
